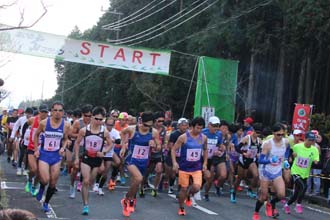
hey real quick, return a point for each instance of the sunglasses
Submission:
(98, 119)
(298, 135)
(109, 125)
(146, 125)
(160, 121)
(279, 135)
(215, 125)
(57, 110)
(87, 116)
(114, 116)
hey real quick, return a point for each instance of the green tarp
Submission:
(216, 87)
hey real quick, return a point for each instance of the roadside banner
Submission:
(301, 117)
(57, 47)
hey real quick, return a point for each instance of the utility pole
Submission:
(115, 12)
(181, 6)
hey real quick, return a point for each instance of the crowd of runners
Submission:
(99, 149)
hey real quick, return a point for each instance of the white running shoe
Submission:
(72, 193)
(100, 192)
(96, 187)
(19, 172)
(198, 196)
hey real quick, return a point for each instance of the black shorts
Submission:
(93, 162)
(218, 160)
(155, 161)
(30, 151)
(107, 159)
(246, 162)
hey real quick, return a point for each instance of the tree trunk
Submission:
(301, 85)
(279, 85)
(308, 80)
(250, 94)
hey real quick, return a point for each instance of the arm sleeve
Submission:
(15, 128)
(263, 159)
(287, 152)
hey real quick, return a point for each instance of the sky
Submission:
(25, 76)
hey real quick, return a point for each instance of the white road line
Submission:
(317, 210)
(198, 207)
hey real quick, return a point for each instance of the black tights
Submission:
(300, 187)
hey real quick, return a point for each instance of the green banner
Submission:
(216, 87)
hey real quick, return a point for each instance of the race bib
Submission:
(52, 144)
(210, 150)
(140, 152)
(93, 145)
(193, 155)
(302, 162)
(11, 125)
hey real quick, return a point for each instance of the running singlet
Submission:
(303, 161)
(34, 128)
(51, 141)
(251, 150)
(138, 149)
(273, 169)
(191, 154)
(213, 141)
(93, 142)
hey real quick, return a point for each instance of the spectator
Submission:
(316, 169)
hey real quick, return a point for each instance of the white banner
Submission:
(83, 51)
(207, 112)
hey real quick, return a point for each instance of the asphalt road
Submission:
(163, 207)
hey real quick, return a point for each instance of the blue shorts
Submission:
(140, 164)
(267, 176)
(50, 157)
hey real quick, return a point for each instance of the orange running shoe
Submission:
(126, 212)
(131, 205)
(181, 211)
(188, 201)
(256, 216)
(111, 185)
(268, 209)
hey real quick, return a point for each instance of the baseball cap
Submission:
(214, 120)
(248, 120)
(123, 115)
(296, 132)
(316, 132)
(182, 120)
(43, 108)
(310, 136)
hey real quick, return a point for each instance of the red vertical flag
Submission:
(301, 117)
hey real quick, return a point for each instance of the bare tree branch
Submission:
(20, 26)
(9, 5)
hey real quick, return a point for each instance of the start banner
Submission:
(41, 44)
(301, 117)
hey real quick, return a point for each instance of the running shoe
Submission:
(170, 190)
(131, 205)
(287, 209)
(85, 210)
(206, 197)
(19, 172)
(45, 207)
(181, 211)
(25, 173)
(283, 201)
(232, 196)
(252, 194)
(40, 194)
(256, 216)
(268, 209)
(299, 209)
(100, 192)
(64, 172)
(275, 213)
(28, 187)
(126, 213)
(72, 193)
(96, 187)
(34, 191)
(188, 201)
(153, 193)
(111, 185)
(141, 193)
(239, 188)
(122, 181)
(79, 186)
